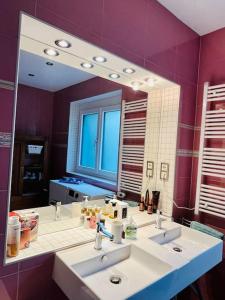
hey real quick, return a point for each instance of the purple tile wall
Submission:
(141, 31)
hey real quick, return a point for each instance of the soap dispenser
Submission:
(85, 203)
(131, 229)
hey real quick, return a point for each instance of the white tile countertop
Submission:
(63, 238)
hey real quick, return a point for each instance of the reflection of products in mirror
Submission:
(13, 238)
(106, 208)
(93, 220)
(25, 237)
(142, 204)
(155, 200)
(113, 211)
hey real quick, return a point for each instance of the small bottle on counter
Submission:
(131, 229)
(114, 211)
(106, 208)
(93, 220)
(13, 238)
(82, 215)
(150, 207)
(142, 204)
(87, 219)
(85, 202)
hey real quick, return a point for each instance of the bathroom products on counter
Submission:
(106, 208)
(113, 211)
(117, 231)
(122, 209)
(158, 220)
(87, 219)
(155, 200)
(142, 204)
(13, 238)
(93, 220)
(131, 229)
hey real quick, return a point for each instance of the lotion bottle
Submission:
(13, 238)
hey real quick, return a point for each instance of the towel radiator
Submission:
(133, 128)
(210, 198)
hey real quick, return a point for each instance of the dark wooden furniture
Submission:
(30, 174)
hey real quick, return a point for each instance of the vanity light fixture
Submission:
(99, 59)
(136, 85)
(63, 43)
(49, 63)
(51, 52)
(86, 65)
(114, 76)
(31, 75)
(150, 81)
(129, 70)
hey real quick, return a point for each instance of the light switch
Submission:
(150, 169)
(164, 171)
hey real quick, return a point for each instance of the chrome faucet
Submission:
(101, 231)
(57, 205)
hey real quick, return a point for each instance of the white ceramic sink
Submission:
(148, 268)
(200, 251)
(117, 274)
(184, 241)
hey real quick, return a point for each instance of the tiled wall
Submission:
(161, 143)
(144, 33)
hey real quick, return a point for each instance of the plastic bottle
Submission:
(114, 211)
(142, 204)
(93, 220)
(87, 219)
(85, 202)
(131, 229)
(13, 238)
(106, 208)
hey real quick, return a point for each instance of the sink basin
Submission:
(121, 273)
(178, 241)
(184, 241)
(200, 251)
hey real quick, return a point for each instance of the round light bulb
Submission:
(114, 76)
(150, 82)
(86, 65)
(99, 59)
(51, 52)
(63, 43)
(129, 70)
(136, 85)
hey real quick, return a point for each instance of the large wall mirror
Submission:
(87, 123)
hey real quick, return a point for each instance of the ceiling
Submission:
(36, 37)
(203, 16)
(51, 78)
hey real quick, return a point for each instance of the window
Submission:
(99, 142)
(94, 136)
(89, 134)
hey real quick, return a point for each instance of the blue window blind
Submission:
(110, 141)
(89, 140)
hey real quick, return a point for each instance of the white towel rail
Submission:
(132, 155)
(211, 198)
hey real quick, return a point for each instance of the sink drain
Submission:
(115, 279)
(177, 249)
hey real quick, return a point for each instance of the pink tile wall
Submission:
(34, 113)
(141, 31)
(211, 69)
